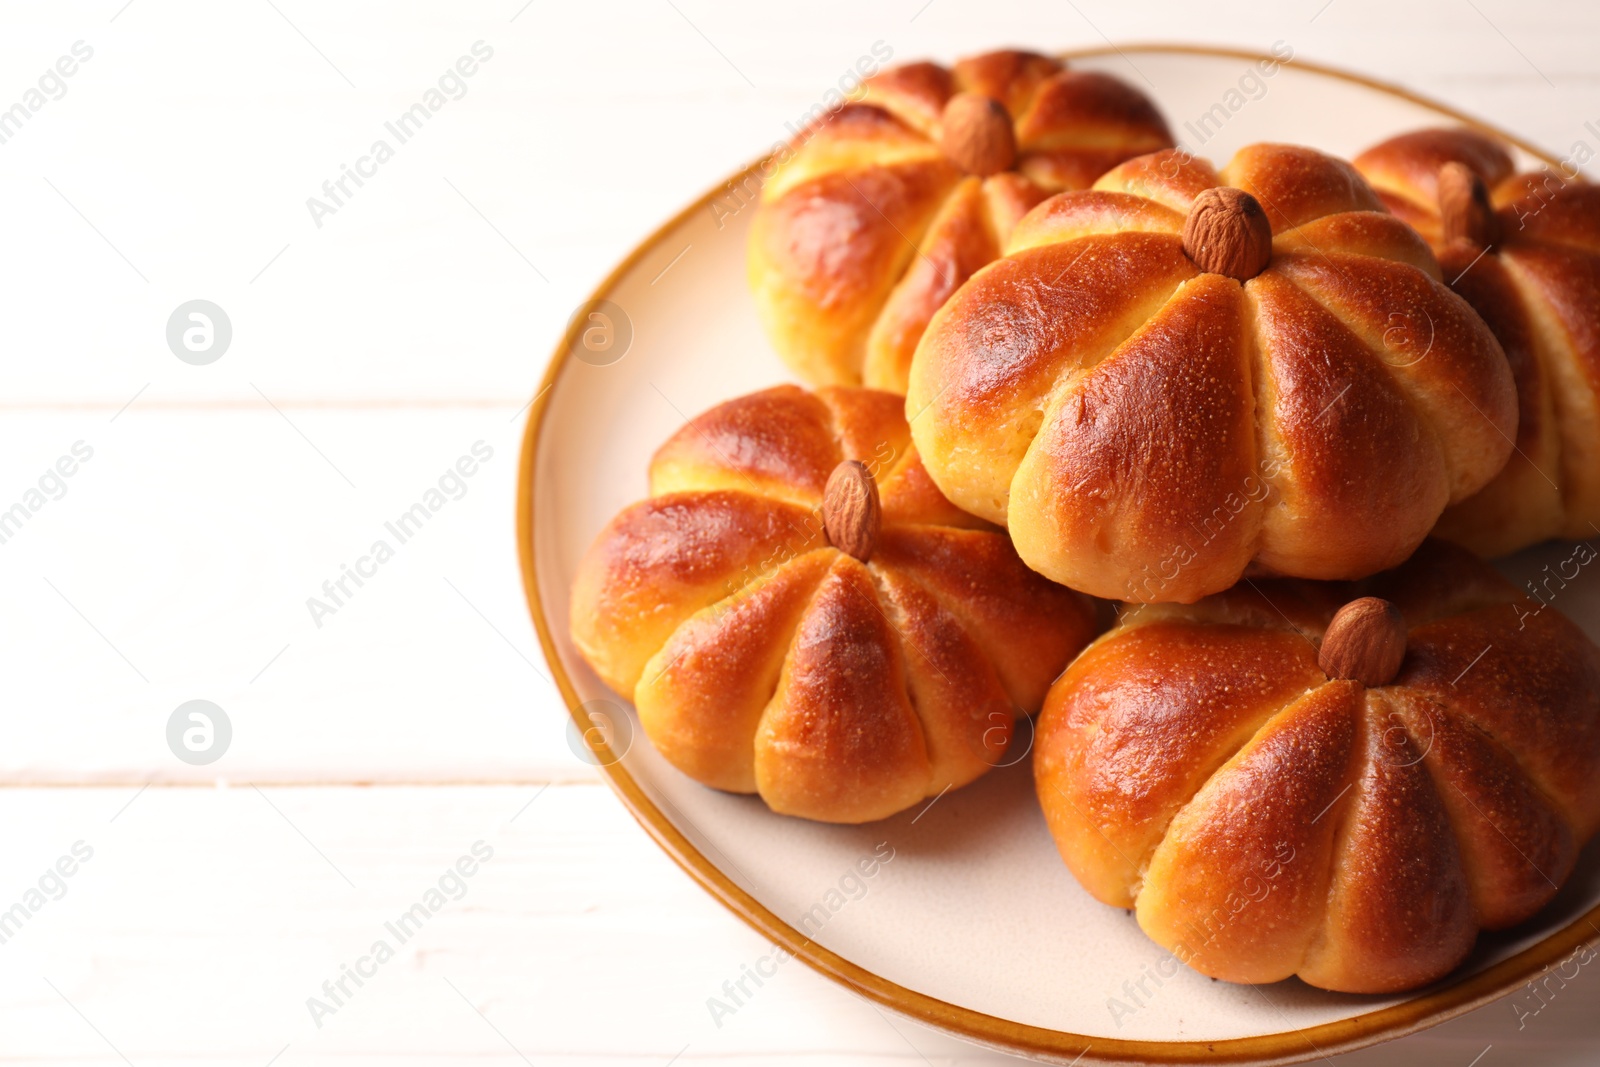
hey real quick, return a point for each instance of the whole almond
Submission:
(851, 512)
(1365, 642)
(1464, 208)
(976, 134)
(1227, 232)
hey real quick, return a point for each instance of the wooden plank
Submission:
(179, 563)
(205, 919)
(451, 271)
(177, 165)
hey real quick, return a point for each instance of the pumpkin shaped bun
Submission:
(1340, 781)
(1524, 250)
(797, 612)
(1184, 375)
(878, 212)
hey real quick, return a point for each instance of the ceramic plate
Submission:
(968, 921)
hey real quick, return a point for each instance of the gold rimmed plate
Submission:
(967, 921)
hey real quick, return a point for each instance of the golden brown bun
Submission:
(866, 225)
(1538, 288)
(763, 660)
(1264, 820)
(1151, 432)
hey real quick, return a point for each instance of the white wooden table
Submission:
(373, 345)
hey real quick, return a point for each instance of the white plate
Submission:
(974, 925)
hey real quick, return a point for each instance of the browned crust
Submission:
(1297, 185)
(1357, 398)
(1019, 620)
(1538, 288)
(827, 254)
(1523, 504)
(1138, 723)
(1103, 488)
(959, 242)
(1402, 818)
(1398, 911)
(1405, 169)
(1239, 885)
(663, 559)
(993, 355)
(779, 441)
(839, 739)
(846, 296)
(763, 660)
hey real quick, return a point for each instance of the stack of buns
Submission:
(1270, 410)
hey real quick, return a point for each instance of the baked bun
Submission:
(841, 683)
(878, 212)
(1182, 375)
(1525, 252)
(1350, 802)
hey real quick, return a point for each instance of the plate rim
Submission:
(1439, 1004)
